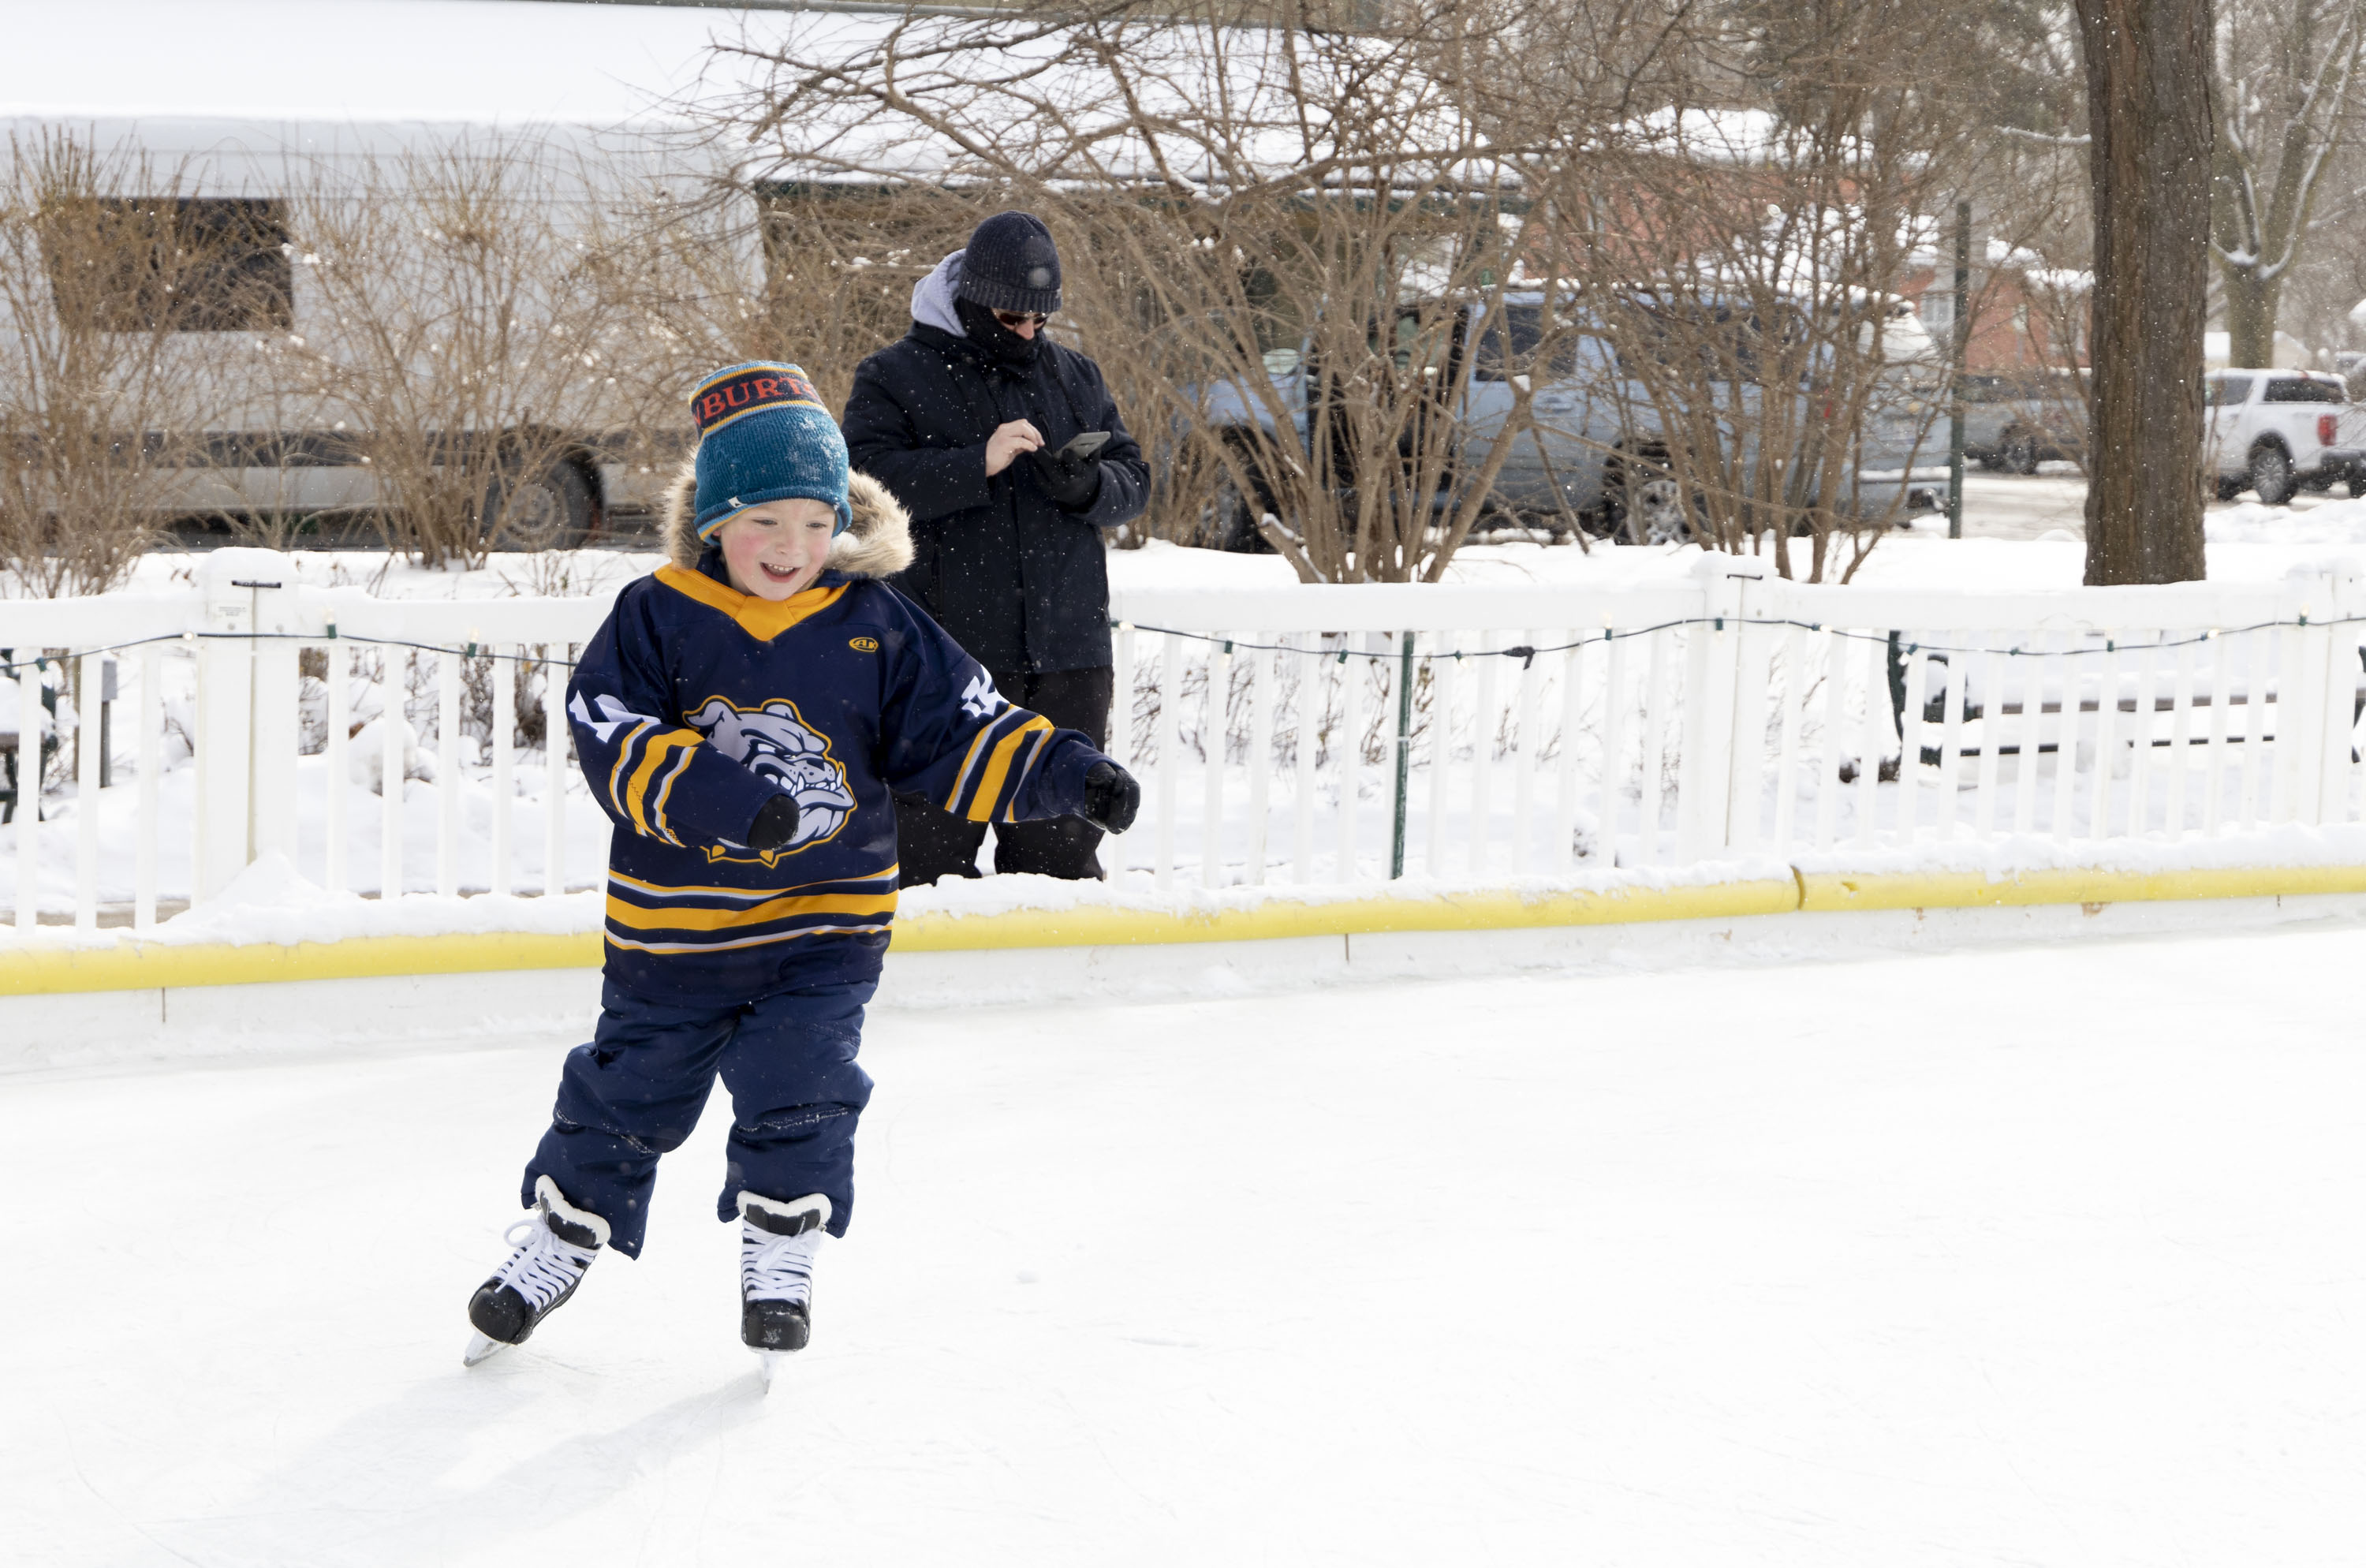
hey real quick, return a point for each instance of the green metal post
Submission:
(1963, 337)
(1404, 755)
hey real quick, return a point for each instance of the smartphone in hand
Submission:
(1085, 447)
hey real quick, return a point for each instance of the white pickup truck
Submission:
(2276, 431)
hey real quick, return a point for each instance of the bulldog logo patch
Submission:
(776, 743)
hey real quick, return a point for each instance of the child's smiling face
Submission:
(777, 549)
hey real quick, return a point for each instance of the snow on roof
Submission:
(1231, 97)
(306, 66)
(2061, 279)
(1742, 137)
(490, 61)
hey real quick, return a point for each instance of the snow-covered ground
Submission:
(2020, 532)
(2028, 1255)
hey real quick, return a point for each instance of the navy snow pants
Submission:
(635, 1091)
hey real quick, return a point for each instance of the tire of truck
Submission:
(2021, 456)
(1226, 522)
(1654, 515)
(2272, 474)
(2227, 489)
(554, 509)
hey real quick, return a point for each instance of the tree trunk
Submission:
(2148, 109)
(2250, 317)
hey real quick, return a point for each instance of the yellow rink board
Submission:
(134, 965)
(1824, 891)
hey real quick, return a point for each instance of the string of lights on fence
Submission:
(1525, 653)
(472, 650)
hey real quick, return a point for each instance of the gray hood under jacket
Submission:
(932, 297)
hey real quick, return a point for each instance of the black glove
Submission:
(775, 824)
(1111, 797)
(1073, 483)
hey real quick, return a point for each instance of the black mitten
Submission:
(1111, 797)
(1073, 483)
(775, 824)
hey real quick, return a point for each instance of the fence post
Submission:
(2320, 715)
(1404, 756)
(1705, 780)
(2298, 759)
(278, 725)
(230, 586)
(1753, 664)
(2341, 676)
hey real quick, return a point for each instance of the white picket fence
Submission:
(1300, 734)
(1511, 731)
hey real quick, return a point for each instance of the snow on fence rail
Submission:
(1300, 734)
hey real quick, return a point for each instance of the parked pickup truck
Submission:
(1593, 421)
(2011, 423)
(2277, 431)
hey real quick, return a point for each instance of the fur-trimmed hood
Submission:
(878, 544)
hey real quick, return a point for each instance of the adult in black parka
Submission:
(963, 420)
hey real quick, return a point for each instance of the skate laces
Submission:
(777, 1268)
(545, 1263)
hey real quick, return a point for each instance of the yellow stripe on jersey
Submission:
(1035, 750)
(652, 757)
(665, 793)
(977, 743)
(625, 755)
(752, 895)
(615, 941)
(876, 906)
(989, 788)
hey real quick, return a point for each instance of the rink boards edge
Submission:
(129, 963)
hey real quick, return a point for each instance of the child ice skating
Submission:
(743, 716)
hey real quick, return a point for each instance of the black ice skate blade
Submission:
(774, 1325)
(501, 1317)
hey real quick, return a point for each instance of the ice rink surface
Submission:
(2028, 1255)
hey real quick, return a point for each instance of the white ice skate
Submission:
(555, 1244)
(777, 1243)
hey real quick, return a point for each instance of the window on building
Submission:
(1938, 312)
(185, 263)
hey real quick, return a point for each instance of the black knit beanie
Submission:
(1010, 264)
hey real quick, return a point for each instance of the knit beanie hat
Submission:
(764, 436)
(1010, 264)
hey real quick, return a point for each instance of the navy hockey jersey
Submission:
(694, 704)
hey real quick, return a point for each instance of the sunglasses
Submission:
(1013, 318)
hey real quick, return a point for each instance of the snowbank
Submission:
(269, 902)
(2335, 523)
(2248, 543)
(2289, 847)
